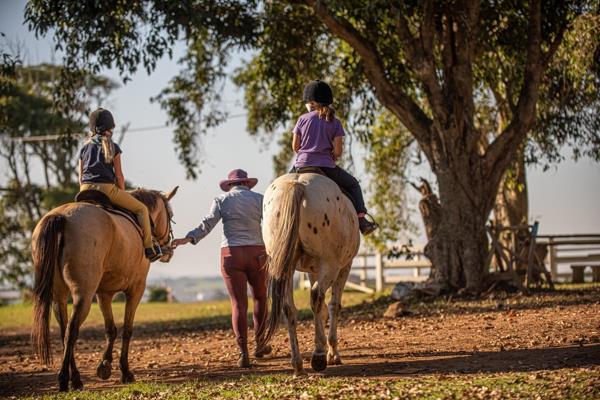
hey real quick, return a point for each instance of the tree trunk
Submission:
(512, 203)
(459, 247)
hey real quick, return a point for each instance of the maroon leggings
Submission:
(240, 266)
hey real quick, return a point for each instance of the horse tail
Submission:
(282, 262)
(46, 252)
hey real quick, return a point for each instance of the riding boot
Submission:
(366, 226)
(263, 351)
(153, 253)
(244, 361)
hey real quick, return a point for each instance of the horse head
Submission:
(161, 215)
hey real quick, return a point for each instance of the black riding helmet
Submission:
(318, 91)
(101, 121)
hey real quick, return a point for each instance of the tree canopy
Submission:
(28, 109)
(468, 79)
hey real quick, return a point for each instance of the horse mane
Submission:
(150, 199)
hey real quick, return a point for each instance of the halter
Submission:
(166, 237)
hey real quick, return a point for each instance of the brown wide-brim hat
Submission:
(237, 176)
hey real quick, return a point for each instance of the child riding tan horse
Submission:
(81, 249)
(309, 226)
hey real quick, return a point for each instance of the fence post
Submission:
(378, 272)
(363, 271)
(301, 281)
(552, 256)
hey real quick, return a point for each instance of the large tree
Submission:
(28, 110)
(431, 64)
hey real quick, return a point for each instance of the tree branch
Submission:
(420, 56)
(391, 96)
(554, 45)
(501, 151)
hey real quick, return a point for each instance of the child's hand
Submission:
(180, 242)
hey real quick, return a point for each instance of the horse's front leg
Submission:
(110, 330)
(335, 304)
(319, 286)
(133, 298)
(291, 315)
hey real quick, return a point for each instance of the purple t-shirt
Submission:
(316, 140)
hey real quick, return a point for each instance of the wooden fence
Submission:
(580, 249)
(366, 262)
(566, 250)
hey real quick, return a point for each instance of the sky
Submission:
(565, 199)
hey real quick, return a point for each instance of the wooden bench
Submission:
(578, 273)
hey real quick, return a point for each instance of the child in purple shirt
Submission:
(318, 141)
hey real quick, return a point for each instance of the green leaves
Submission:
(387, 162)
(28, 109)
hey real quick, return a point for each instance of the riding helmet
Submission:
(318, 91)
(101, 121)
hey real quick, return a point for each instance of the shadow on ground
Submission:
(364, 310)
(399, 365)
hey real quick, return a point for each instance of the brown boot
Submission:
(366, 226)
(263, 351)
(244, 361)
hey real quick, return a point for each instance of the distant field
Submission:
(17, 317)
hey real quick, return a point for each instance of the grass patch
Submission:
(19, 316)
(557, 384)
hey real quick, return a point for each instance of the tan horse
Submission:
(80, 249)
(309, 226)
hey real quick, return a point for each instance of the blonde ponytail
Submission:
(108, 149)
(324, 111)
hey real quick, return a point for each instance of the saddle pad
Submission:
(101, 200)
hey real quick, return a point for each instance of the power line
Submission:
(44, 138)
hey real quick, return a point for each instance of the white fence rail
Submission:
(563, 250)
(367, 264)
(568, 250)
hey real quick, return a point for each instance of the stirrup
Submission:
(366, 227)
(153, 253)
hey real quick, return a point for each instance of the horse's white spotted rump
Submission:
(311, 226)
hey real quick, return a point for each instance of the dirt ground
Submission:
(547, 331)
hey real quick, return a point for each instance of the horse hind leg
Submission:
(104, 369)
(132, 301)
(81, 308)
(59, 308)
(291, 315)
(318, 289)
(335, 305)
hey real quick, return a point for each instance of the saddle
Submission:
(319, 171)
(101, 200)
(308, 170)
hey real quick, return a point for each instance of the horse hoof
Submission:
(63, 383)
(333, 359)
(127, 378)
(77, 384)
(300, 374)
(318, 362)
(104, 370)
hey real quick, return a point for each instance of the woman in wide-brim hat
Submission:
(242, 254)
(237, 177)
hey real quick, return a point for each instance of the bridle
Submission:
(165, 239)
